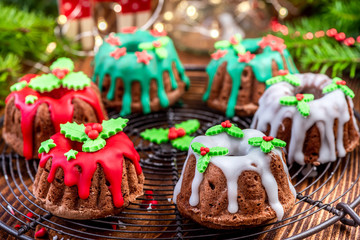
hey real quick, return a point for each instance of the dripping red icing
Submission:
(60, 107)
(111, 159)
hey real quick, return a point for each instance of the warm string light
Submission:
(50, 47)
(102, 24)
(62, 19)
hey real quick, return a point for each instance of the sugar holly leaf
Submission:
(329, 88)
(238, 37)
(196, 146)
(71, 154)
(63, 63)
(164, 40)
(203, 163)
(274, 80)
(347, 91)
(190, 126)
(336, 79)
(113, 126)
(278, 143)
(214, 130)
(45, 83)
(303, 108)
(234, 131)
(93, 145)
(292, 79)
(266, 146)
(255, 141)
(30, 99)
(156, 135)
(74, 131)
(288, 100)
(182, 143)
(218, 151)
(76, 81)
(46, 146)
(18, 86)
(222, 44)
(308, 97)
(161, 52)
(146, 46)
(239, 49)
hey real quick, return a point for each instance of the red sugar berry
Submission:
(203, 153)
(283, 72)
(172, 135)
(41, 233)
(202, 149)
(331, 32)
(88, 129)
(234, 41)
(340, 36)
(268, 138)
(223, 124)
(60, 73)
(342, 82)
(98, 127)
(93, 134)
(207, 150)
(180, 132)
(299, 96)
(157, 44)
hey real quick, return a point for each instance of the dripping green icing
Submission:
(261, 66)
(129, 70)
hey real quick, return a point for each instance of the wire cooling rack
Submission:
(161, 165)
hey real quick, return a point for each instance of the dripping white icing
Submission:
(241, 157)
(323, 112)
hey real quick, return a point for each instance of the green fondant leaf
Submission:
(234, 131)
(218, 151)
(329, 88)
(63, 63)
(76, 81)
(336, 79)
(215, 130)
(71, 154)
(347, 91)
(93, 145)
(308, 97)
(164, 40)
(161, 52)
(182, 143)
(278, 143)
(112, 126)
(288, 100)
(74, 131)
(222, 44)
(203, 163)
(274, 80)
(255, 141)
(238, 37)
(292, 79)
(195, 146)
(190, 126)
(266, 146)
(30, 99)
(146, 46)
(46, 146)
(303, 108)
(239, 49)
(45, 83)
(156, 135)
(18, 86)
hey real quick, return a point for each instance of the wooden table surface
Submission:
(348, 172)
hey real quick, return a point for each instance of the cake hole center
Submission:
(311, 90)
(133, 47)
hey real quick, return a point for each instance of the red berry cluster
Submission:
(234, 41)
(176, 133)
(268, 138)
(226, 124)
(204, 151)
(156, 44)
(342, 82)
(149, 199)
(93, 131)
(283, 72)
(299, 96)
(341, 37)
(60, 73)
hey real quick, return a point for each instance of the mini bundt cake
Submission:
(315, 118)
(238, 71)
(38, 105)
(234, 179)
(139, 71)
(88, 171)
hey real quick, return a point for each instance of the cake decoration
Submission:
(266, 143)
(233, 70)
(117, 53)
(18, 86)
(46, 146)
(338, 83)
(227, 127)
(206, 154)
(143, 57)
(300, 101)
(30, 99)
(130, 30)
(234, 43)
(177, 135)
(71, 154)
(275, 43)
(157, 45)
(284, 76)
(113, 40)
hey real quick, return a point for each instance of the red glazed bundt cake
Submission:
(88, 171)
(315, 118)
(38, 105)
(234, 179)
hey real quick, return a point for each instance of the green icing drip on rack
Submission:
(129, 70)
(261, 66)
